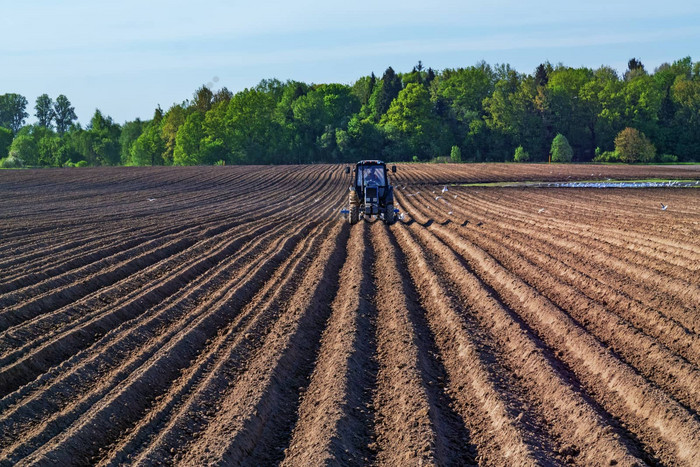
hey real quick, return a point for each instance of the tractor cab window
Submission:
(373, 176)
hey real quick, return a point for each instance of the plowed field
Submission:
(229, 315)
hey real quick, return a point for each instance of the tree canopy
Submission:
(13, 111)
(476, 113)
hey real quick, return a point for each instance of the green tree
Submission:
(389, 90)
(129, 134)
(5, 141)
(633, 146)
(64, 114)
(511, 115)
(188, 141)
(685, 124)
(521, 155)
(248, 130)
(103, 140)
(568, 112)
(464, 90)
(364, 87)
(203, 99)
(561, 149)
(642, 103)
(317, 116)
(411, 125)
(52, 152)
(172, 121)
(24, 148)
(456, 154)
(149, 147)
(75, 144)
(363, 139)
(601, 105)
(13, 111)
(457, 97)
(478, 141)
(635, 69)
(44, 111)
(222, 95)
(542, 74)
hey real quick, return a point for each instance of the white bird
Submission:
(444, 189)
(663, 207)
(455, 196)
(449, 213)
(151, 199)
(541, 210)
(401, 216)
(438, 197)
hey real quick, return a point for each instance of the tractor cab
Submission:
(371, 194)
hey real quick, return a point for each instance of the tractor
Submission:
(370, 192)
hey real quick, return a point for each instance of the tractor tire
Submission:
(389, 215)
(354, 215)
(354, 202)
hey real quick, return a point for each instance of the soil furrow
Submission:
(653, 360)
(651, 414)
(130, 398)
(131, 288)
(230, 315)
(563, 405)
(257, 417)
(182, 413)
(471, 371)
(611, 271)
(25, 368)
(408, 366)
(567, 268)
(335, 424)
(166, 314)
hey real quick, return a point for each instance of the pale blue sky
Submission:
(127, 57)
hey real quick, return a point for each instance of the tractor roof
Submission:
(371, 162)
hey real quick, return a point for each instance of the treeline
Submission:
(478, 113)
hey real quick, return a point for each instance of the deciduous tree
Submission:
(44, 111)
(149, 147)
(5, 141)
(188, 141)
(64, 114)
(633, 146)
(203, 99)
(411, 122)
(13, 111)
(561, 149)
(103, 137)
(521, 155)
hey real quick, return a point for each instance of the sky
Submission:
(130, 56)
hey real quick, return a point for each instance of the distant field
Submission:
(230, 315)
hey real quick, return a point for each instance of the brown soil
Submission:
(229, 315)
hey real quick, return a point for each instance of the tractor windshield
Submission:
(373, 176)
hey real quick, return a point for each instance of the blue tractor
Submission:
(371, 194)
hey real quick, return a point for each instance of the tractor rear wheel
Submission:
(354, 202)
(389, 217)
(354, 215)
